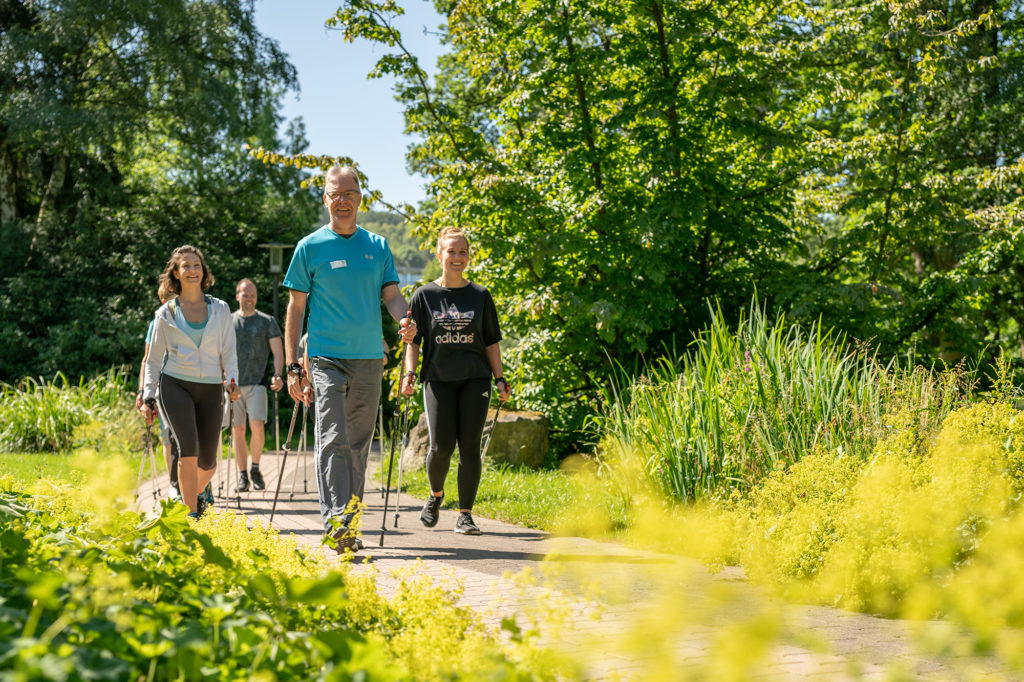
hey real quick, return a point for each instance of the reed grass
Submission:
(745, 401)
(41, 416)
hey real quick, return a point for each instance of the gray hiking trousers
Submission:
(345, 395)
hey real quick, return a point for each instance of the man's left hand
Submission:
(275, 383)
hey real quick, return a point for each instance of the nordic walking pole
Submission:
(284, 460)
(404, 430)
(380, 435)
(277, 423)
(301, 453)
(405, 442)
(152, 461)
(231, 448)
(494, 422)
(142, 467)
(387, 489)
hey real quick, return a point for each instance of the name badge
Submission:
(335, 264)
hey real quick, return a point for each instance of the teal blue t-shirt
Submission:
(343, 277)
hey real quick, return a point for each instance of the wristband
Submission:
(502, 380)
(150, 403)
(410, 374)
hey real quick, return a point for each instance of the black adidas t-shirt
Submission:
(455, 328)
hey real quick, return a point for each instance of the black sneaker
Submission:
(431, 511)
(257, 478)
(465, 525)
(201, 506)
(243, 482)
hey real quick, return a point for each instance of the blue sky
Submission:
(345, 113)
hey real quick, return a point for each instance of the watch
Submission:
(150, 403)
(501, 380)
(295, 368)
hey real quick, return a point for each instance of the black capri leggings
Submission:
(456, 411)
(194, 412)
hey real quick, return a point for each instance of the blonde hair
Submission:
(449, 232)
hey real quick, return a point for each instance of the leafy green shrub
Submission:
(742, 404)
(902, 526)
(39, 416)
(166, 598)
(795, 516)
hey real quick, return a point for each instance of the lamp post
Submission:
(276, 267)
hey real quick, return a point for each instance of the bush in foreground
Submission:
(103, 594)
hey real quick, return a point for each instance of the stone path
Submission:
(650, 612)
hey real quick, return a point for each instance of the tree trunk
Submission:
(8, 202)
(60, 169)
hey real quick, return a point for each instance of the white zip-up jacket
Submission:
(214, 358)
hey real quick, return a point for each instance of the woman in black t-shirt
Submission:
(458, 331)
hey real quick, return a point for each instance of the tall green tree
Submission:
(853, 161)
(913, 212)
(615, 164)
(122, 134)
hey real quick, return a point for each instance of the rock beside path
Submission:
(519, 439)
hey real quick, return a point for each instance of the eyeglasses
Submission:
(350, 195)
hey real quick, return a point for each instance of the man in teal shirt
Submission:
(343, 272)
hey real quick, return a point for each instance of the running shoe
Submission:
(200, 506)
(465, 525)
(193, 515)
(257, 478)
(431, 511)
(207, 495)
(243, 482)
(344, 540)
(173, 494)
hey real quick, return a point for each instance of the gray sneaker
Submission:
(346, 541)
(465, 525)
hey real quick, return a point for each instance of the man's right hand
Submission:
(298, 389)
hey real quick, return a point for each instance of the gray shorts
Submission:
(253, 403)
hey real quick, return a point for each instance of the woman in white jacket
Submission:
(196, 333)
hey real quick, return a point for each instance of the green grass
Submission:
(535, 499)
(28, 467)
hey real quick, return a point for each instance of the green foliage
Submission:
(404, 246)
(42, 416)
(856, 163)
(163, 598)
(890, 535)
(746, 402)
(122, 136)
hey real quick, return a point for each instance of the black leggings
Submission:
(456, 411)
(195, 413)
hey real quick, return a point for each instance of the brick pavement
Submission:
(649, 609)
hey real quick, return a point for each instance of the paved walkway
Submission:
(620, 611)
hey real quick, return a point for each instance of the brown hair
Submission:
(239, 283)
(451, 231)
(164, 292)
(168, 278)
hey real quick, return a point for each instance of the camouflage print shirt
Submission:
(252, 339)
